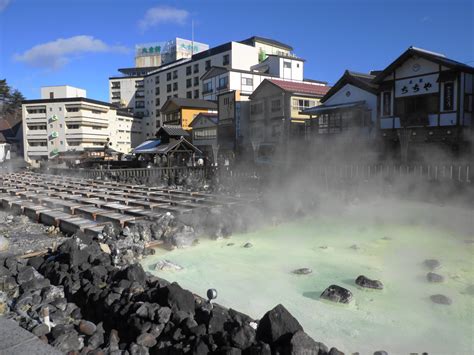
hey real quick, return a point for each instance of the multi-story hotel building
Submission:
(64, 120)
(239, 66)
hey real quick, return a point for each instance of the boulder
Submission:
(135, 273)
(3, 243)
(363, 281)
(303, 271)
(40, 330)
(277, 325)
(432, 264)
(380, 352)
(68, 341)
(248, 245)
(302, 343)
(147, 340)
(86, 327)
(177, 298)
(335, 351)
(337, 293)
(166, 265)
(441, 299)
(243, 337)
(433, 277)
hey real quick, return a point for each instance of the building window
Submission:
(175, 74)
(196, 81)
(116, 85)
(205, 133)
(276, 105)
(223, 83)
(196, 94)
(168, 76)
(225, 60)
(188, 83)
(208, 64)
(139, 104)
(448, 96)
(247, 81)
(175, 86)
(301, 104)
(206, 87)
(168, 88)
(51, 95)
(188, 70)
(196, 68)
(157, 90)
(157, 79)
(226, 101)
(256, 108)
(157, 102)
(287, 65)
(386, 103)
(189, 94)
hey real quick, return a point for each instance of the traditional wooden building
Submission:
(426, 100)
(181, 112)
(204, 133)
(275, 109)
(169, 148)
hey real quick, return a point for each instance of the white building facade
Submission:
(239, 66)
(62, 124)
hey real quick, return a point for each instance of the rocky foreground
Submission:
(84, 298)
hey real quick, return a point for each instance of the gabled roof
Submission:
(360, 80)
(189, 103)
(431, 56)
(296, 87)
(251, 41)
(2, 138)
(173, 131)
(211, 117)
(154, 146)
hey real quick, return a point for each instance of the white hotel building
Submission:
(239, 66)
(64, 120)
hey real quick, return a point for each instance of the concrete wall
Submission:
(62, 91)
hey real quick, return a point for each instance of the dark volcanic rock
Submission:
(441, 299)
(363, 281)
(67, 342)
(40, 330)
(432, 264)
(248, 245)
(433, 277)
(380, 352)
(26, 275)
(303, 271)
(260, 348)
(177, 298)
(243, 337)
(135, 273)
(337, 293)
(335, 351)
(302, 343)
(277, 325)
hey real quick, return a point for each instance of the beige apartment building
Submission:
(61, 121)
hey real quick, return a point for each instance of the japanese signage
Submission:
(427, 84)
(170, 50)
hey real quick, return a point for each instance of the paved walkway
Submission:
(14, 340)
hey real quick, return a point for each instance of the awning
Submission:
(148, 146)
(324, 108)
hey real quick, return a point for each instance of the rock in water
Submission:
(432, 264)
(433, 277)
(248, 245)
(363, 281)
(337, 293)
(164, 265)
(441, 299)
(301, 343)
(303, 271)
(277, 325)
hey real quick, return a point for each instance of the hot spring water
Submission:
(381, 240)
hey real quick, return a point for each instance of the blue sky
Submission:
(82, 43)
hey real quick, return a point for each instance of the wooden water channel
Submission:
(74, 204)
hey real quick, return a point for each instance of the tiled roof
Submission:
(301, 87)
(174, 131)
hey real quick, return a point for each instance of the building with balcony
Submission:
(421, 103)
(237, 65)
(61, 124)
(204, 134)
(275, 110)
(181, 112)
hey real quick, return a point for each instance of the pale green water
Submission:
(399, 319)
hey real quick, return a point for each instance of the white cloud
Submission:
(163, 14)
(55, 54)
(4, 4)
